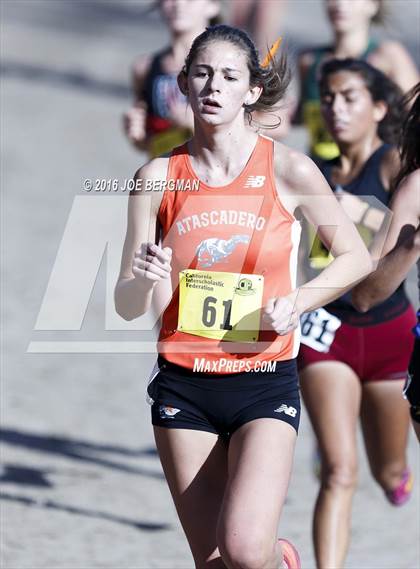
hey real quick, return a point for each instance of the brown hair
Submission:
(274, 78)
(410, 136)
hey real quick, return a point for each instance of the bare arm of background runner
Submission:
(134, 120)
(402, 247)
(393, 59)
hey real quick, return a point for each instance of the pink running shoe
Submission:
(402, 492)
(291, 559)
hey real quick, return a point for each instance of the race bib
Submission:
(220, 305)
(318, 329)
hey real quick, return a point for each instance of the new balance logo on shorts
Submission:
(291, 411)
(255, 181)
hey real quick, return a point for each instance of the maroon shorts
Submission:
(374, 353)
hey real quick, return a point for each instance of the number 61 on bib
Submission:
(220, 305)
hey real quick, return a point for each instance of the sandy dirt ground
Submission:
(82, 486)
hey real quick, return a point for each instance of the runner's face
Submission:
(186, 15)
(348, 108)
(346, 15)
(218, 83)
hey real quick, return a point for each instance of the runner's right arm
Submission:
(144, 263)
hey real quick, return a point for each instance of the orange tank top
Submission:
(233, 248)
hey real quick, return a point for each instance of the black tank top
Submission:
(159, 88)
(159, 91)
(368, 182)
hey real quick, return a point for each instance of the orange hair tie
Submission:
(271, 52)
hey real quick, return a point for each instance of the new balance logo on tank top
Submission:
(234, 247)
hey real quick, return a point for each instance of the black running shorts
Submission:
(220, 403)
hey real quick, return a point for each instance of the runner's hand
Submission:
(281, 314)
(152, 263)
(135, 123)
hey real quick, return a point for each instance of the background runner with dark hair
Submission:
(351, 26)
(402, 246)
(350, 363)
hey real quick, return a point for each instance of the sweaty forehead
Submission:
(221, 54)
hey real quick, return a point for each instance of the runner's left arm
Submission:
(302, 185)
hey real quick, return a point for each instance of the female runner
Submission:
(351, 26)
(402, 246)
(353, 363)
(226, 403)
(160, 118)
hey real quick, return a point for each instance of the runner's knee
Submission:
(246, 551)
(339, 476)
(389, 473)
